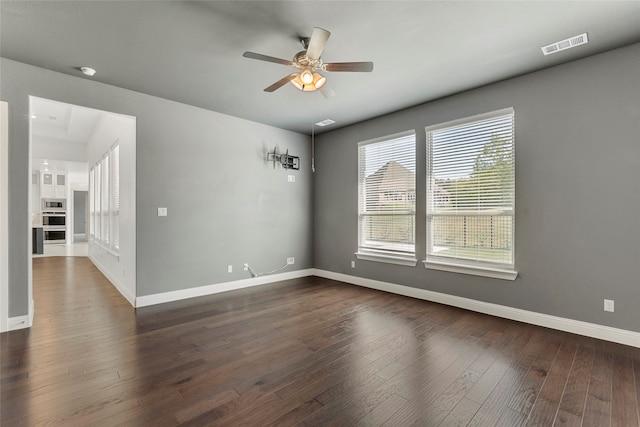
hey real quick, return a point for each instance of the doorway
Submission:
(66, 141)
(80, 215)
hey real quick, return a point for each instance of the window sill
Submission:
(494, 273)
(398, 260)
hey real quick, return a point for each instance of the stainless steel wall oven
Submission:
(54, 223)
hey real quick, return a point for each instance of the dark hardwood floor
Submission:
(302, 352)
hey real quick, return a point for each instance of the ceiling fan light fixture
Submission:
(297, 82)
(306, 77)
(315, 82)
(319, 80)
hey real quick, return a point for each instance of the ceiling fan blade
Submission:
(317, 42)
(283, 81)
(349, 66)
(261, 57)
(327, 92)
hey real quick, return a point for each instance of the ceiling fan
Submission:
(309, 62)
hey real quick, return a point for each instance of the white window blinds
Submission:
(115, 197)
(97, 201)
(92, 204)
(104, 200)
(387, 196)
(470, 191)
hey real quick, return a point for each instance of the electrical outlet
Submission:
(291, 260)
(162, 211)
(609, 305)
(246, 266)
(291, 178)
(229, 268)
(353, 264)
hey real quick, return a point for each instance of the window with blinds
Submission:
(471, 192)
(92, 203)
(105, 193)
(387, 198)
(104, 200)
(115, 197)
(96, 197)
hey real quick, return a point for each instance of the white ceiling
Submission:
(56, 121)
(191, 52)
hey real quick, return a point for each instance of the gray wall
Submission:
(577, 191)
(226, 204)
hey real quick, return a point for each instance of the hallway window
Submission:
(104, 200)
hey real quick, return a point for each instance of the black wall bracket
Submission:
(286, 160)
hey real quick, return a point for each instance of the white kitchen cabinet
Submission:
(61, 185)
(46, 186)
(53, 185)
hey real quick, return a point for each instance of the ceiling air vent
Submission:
(325, 122)
(565, 44)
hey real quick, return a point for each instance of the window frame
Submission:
(484, 268)
(385, 254)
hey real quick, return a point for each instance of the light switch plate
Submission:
(162, 211)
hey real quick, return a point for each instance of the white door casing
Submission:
(4, 213)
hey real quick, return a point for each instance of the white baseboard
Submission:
(163, 297)
(116, 283)
(592, 330)
(21, 322)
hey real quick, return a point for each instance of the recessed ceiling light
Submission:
(565, 44)
(88, 71)
(325, 122)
